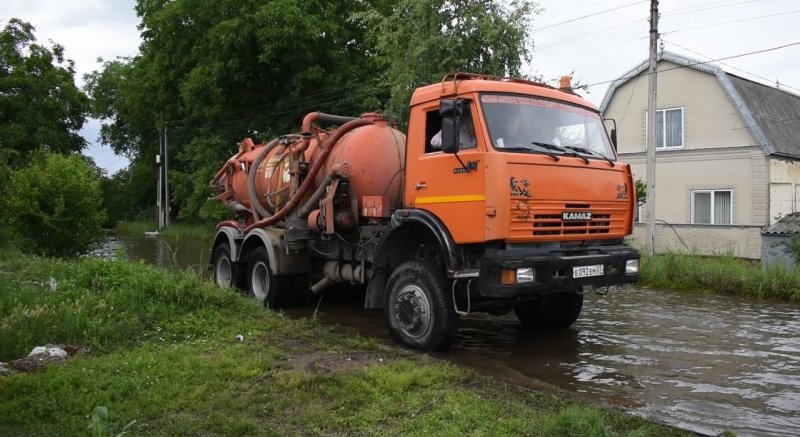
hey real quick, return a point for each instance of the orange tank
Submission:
(372, 155)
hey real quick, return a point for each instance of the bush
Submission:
(55, 205)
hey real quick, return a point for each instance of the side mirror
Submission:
(449, 137)
(614, 138)
(451, 111)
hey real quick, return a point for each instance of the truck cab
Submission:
(518, 188)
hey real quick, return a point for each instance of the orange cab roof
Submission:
(469, 83)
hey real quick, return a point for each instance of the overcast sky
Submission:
(598, 40)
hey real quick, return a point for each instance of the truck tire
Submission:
(552, 311)
(227, 274)
(418, 307)
(263, 285)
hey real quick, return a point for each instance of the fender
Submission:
(233, 237)
(281, 261)
(388, 254)
(450, 250)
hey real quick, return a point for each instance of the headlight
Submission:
(631, 266)
(522, 275)
(525, 275)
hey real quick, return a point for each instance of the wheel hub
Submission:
(260, 281)
(222, 273)
(412, 311)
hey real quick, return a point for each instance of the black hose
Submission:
(334, 119)
(312, 203)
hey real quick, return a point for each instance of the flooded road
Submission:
(699, 362)
(181, 253)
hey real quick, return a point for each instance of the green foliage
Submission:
(641, 190)
(420, 42)
(720, 274)
(793, 248)
(216, 71)
(40, 106)
(165, 360)
(55, 205)
(101, 304)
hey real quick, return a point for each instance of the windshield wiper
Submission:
(528, 149)
(590, 152)
(560, 149)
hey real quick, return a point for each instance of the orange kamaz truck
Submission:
(505, 195)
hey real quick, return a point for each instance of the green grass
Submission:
(720, 274)
(165, 360)
(173, 230)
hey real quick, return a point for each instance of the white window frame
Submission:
(664, 131)
(713, 194)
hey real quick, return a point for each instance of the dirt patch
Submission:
(326, 362)
(41, 361)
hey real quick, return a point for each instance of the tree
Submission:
(54, 205)
(419, 42)
(40, 106)
(213, 72)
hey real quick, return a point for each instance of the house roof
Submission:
(771, 115)
(788, 224)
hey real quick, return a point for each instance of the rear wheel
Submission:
(418, 307)
(552, 311)
(264, 286)
(227, 274)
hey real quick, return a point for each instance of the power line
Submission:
(707, 62)
(590, 15)
(587, 34)
(730, 22)
(731, 66)
(700, 8)
(593, 50)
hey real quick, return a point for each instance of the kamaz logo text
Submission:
(576, 216)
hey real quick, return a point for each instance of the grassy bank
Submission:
(173, 231)
(720, 274)
(165, 359)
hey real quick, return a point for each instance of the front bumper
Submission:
(554, 269)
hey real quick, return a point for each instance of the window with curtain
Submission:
(712, 207)
(669, 128)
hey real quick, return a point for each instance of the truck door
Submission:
(437, 182)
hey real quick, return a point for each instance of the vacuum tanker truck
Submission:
(505, 195)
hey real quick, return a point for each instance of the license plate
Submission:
(587, 271)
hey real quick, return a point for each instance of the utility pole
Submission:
(166, 177)
(650, 205)
(159, 191)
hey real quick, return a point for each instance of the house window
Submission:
(712, 207)
(669, 128)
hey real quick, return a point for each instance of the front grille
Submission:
(543, 220)
(551, 224)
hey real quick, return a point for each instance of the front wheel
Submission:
(552, 311)
(418, 307)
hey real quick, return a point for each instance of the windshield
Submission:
(528, 123)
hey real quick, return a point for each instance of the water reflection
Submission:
(181, 253)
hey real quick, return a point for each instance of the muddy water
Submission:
(181, 253)
(703, 363)
(699, 362)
